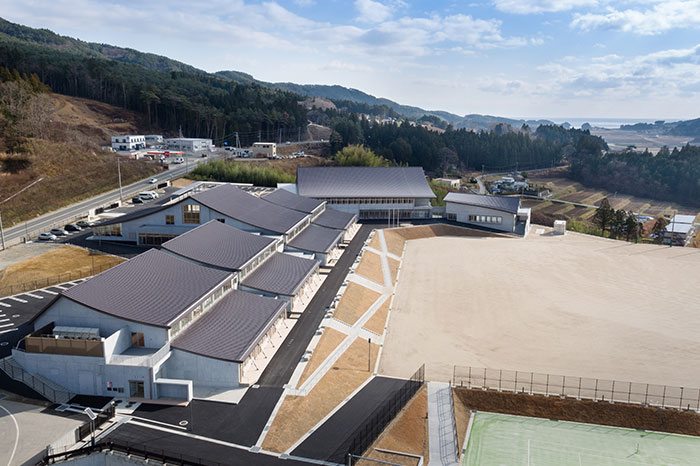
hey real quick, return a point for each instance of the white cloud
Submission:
(372, 12)
(665, 15)
(525, 7)
(304, 3)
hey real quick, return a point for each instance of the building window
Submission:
(190, 213)
(170, 220)
(154, 239)
(108, 230)
(451, 216)
(222, 220)
(486, 219)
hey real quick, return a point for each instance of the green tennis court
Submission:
(500, 439)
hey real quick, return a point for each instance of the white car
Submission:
(46, 236)
(153, 180)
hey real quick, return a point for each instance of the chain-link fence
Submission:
(375, 424)
(577, 387)
(56, 279)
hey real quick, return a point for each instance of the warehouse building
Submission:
(264, 149)
(128, 142)
(494, 212)
(368, 192)
(154, 327)
(680, 230)
(189, 144)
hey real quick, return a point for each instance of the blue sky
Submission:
(533, 58)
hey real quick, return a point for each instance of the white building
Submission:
(156, 326)
(128, 142)
(680, 230)
(368, 192)
(264, 149)
(189, 144)
(154, 139)
(493, 212)
(451, 182)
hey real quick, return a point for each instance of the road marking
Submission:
(17, 299)
(49, 291)
(4, 320)
(34, 295)
(5, 304)
(14, 450)
(8, 331)
(7, 325)
(63, 287)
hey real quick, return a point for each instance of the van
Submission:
(178, 160)
(148, 195)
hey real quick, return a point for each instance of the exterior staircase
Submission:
(43, 386)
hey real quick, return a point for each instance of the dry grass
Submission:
(377, 322)
(375, 243)
(370, 267)
(181, 183)
(396, 237)
(62, 264)
(408, 433)
(355, 302)
(329, 341)
(394, 242)
(298, 414)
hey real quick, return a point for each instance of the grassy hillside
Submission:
(66, 153)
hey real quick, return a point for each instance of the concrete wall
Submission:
(116, 343)
(84, 375)
(203, 371)
(463, 212)
(69, 313)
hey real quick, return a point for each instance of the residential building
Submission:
(494, 212)
(368, 192)
(154, 139)
(680, 230)
(128, 142)
(451, 182)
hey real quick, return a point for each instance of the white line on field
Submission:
(34, 295)
(5, 304)
(12, 456)
(7, 325)
(17, 299)
(49, 291)
(4, 320)
(528, 452)
(8, 331)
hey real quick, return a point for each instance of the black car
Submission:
(136, 200)
(72, 227)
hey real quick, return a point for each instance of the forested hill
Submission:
(201, 104)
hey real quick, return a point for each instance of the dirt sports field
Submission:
(569, 305)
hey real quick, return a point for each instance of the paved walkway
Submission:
(441, 430)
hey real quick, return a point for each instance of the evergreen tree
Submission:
(604, 215)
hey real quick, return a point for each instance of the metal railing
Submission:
(374, 425)
(146, 360)
(565, 386)
(37, 284)
(39, 385)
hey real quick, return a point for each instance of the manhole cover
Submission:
(14, 316)
(183, 423)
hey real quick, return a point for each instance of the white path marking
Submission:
(7, 325)
(8, 331)
(19, 300)
(49, 291)
(34, 295)
(14, 450)
(5, 304)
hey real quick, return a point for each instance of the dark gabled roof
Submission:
(331, 218)
(232, 328)
(284, 198)
(237, 204)
(220, 245)
(281, 274)
(152, 288)
(316, 238)
(504, 204)
(362, 182)
(133, 215)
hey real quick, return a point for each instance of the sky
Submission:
(636, 59)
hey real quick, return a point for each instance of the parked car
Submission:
(153, 180)
(84, 224)
(136, 200)
(204, 155)
(72, 227)
(46, 236)
(59, 232)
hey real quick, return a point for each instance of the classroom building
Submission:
(494, 212)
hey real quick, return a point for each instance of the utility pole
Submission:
(119, 172)
(2, 233)
(369, 355)
(259, 135)
(299, 135)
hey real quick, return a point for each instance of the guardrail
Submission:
(565, 386)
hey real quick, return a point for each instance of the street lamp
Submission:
(2, 233)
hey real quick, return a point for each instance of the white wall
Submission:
(203, 371)
(463, 212)
(69, 313)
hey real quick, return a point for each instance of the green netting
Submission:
(499, 439)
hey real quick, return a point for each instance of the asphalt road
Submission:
(65, 215)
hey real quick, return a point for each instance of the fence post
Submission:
(612, 395)
(563, 385)
(546, 390)
(532, 375)
(500, 378)
(680, 403)
(646, 396)
(470, 382)
(663, 398)
(484, 385)
(629, 393)
(595, 394)
(579, 389)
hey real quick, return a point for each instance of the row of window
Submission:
(258, 260)
(108, 230)
(190, 213)
(486, 219)
(154, 239)
(201, 308)
(370, 200)
(375, 214)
